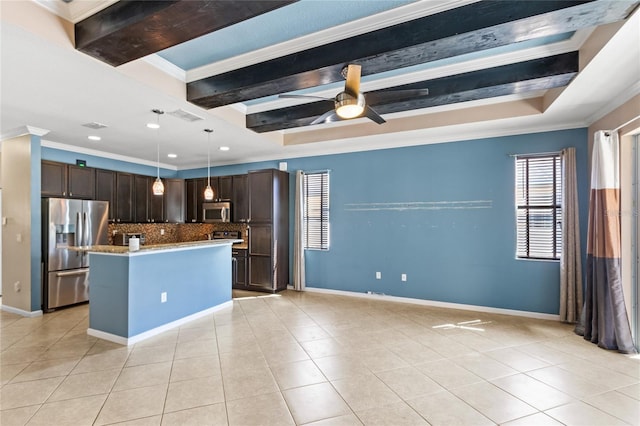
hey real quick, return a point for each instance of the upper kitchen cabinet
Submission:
(261, 195)
(67, 180)
(124, 197)
(148, 207)
(106, 190)
(240, 199)
(174, 200)
(224, 188)
(194, 198)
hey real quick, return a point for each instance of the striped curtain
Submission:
(605, 320)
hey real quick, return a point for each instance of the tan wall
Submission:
(15, 171)
(619, 116)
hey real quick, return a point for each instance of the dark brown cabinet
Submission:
(54, 179)
(124, 197)
(223, 190)
(129, 195)
(268, 230)
(224, 186)
(240, 199)
(194, 198)
(81, 182)
(148, 207)
(67, 180)
(240, 266)
(106, 190)
(173, 200)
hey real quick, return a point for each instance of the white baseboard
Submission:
(28, 314)
(128, 341)
(435, 303)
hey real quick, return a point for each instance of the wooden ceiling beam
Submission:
(471, 28)
(522, 77)
(131, 29)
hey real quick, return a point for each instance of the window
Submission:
(539, 206)
(316, 210)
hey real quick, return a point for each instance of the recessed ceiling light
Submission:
(224, 148)
(172, 155)
(94, 138)
(153, 125)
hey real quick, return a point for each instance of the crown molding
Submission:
(23, 130)
(103, 154)
(74, 11)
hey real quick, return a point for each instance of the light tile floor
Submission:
(309, 358)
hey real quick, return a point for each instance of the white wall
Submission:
(16, 255)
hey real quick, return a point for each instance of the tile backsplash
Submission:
(174, 232)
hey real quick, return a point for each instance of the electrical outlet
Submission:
(17, 287)
(403, 277)
(114, 232)
(162, 232)
(378, 275)
(163, 297)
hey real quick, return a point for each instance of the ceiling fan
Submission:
(350, 103)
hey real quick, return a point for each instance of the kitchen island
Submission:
(135, 295)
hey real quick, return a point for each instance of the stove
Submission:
(226, 235)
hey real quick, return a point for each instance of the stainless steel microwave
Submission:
(216, 212)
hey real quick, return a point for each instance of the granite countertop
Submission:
(153, 247)
(241, 246)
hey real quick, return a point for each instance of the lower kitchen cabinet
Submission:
(260, 273)
(240, 268)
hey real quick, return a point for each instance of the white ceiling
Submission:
(46, 83)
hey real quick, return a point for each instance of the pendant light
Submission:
(208, 191)
(158, 186)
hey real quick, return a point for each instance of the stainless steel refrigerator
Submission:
(69, 223)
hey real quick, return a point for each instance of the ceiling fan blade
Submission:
(285, 96)
(372, 115)
(352, 85)
(324, 117)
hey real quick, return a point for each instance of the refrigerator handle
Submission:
(79, 233)
(85, 225)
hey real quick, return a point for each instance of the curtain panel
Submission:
(299, 280)
(570, 263)
(605, 320)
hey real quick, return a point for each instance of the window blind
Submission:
(539, 206)
(316, 210)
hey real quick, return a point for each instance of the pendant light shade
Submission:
(158, 186)
(208, 191)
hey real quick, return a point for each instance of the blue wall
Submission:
(126, 290)
(69, 157)
(461, 255)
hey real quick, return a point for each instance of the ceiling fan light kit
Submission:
(348, 106)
